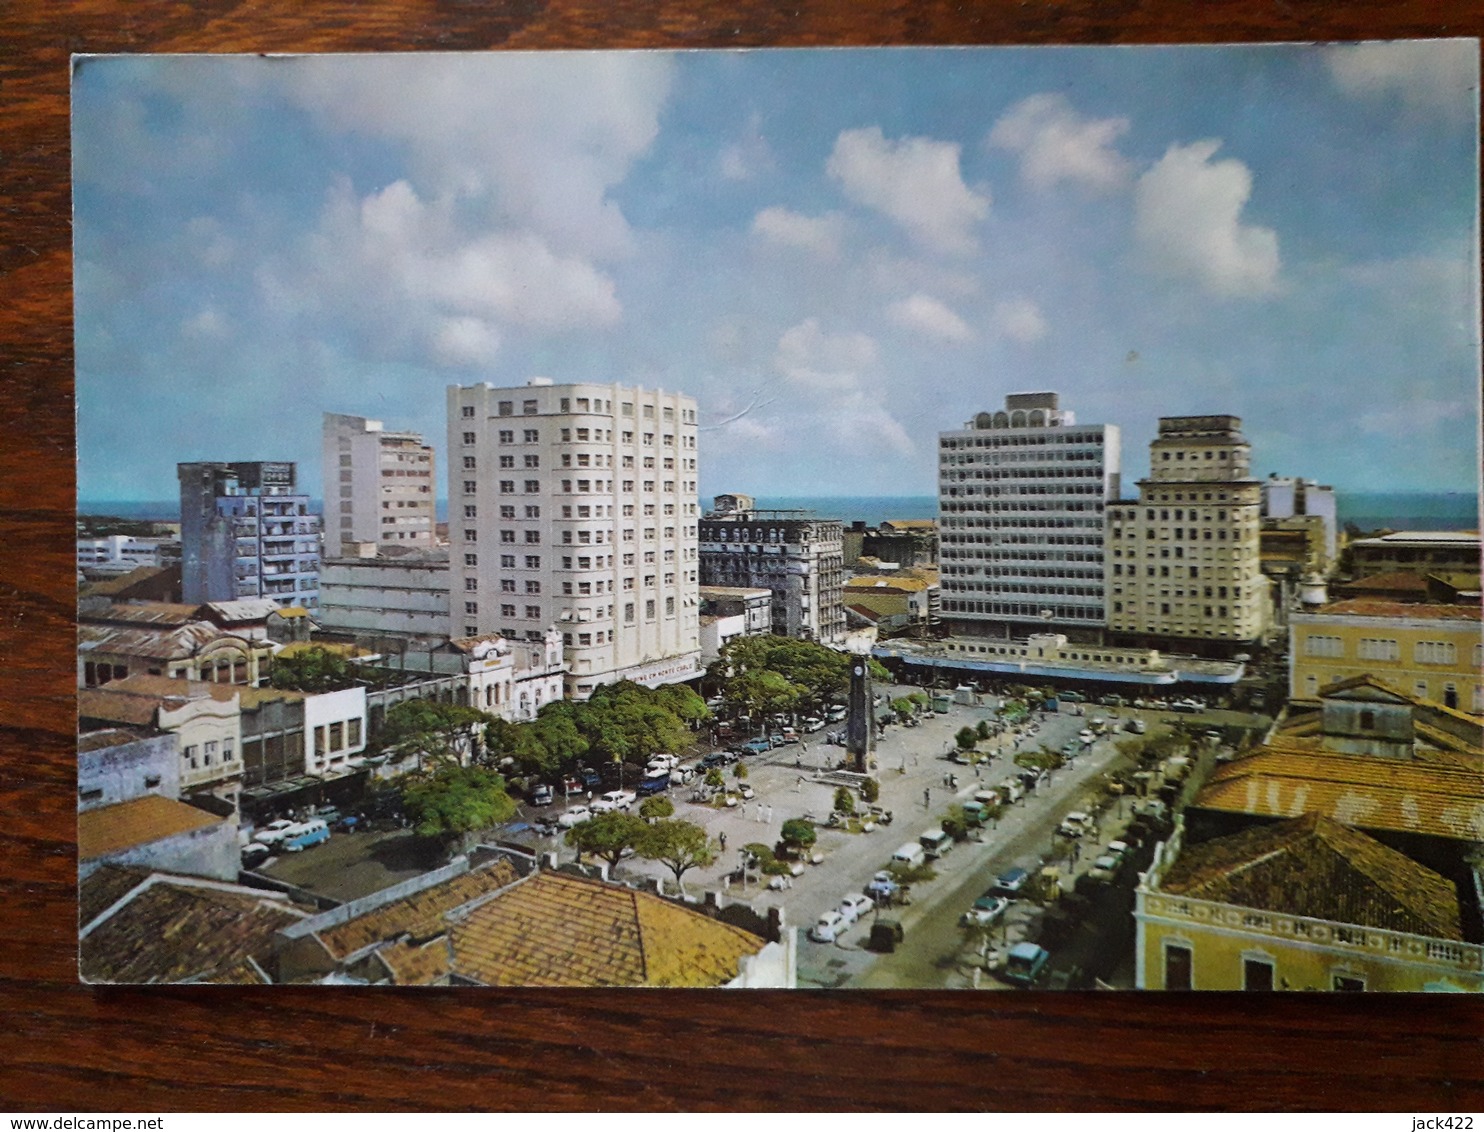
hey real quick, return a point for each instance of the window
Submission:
(471, 511)
(1377, 648)
(468, 412)
(1436, 652)
(471, 585)
(1178, 967)
(470, 463)
(532, 436)
(470, 487)
(533, 562)
(507, 611)
(471, 607)
(507, 461)
(533, 587)
(470, 438)
(1348, 983)
(628, 612)
(353, 732)
(533, 487)
(507, 561)
(533, 461)
(507, 487)
(1316, 645)
(507, 585)
(1257, 973)
(533, 612)
(529, 408)
(533, 537)
(471, 560)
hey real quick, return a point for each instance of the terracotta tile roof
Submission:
(563, 931)
(149, 641)
(419, 915)
(413, 964)
(875, 583)
(104, 887)
(1286, 779)
(138, 821)
(1375, 607)
(1312, 866)
(1392, 580)
(174, 930)
(145, 613)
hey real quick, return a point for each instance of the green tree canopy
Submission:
(678, 845)
(870, 790)
(844, 800)
(966, 738)
(797, 833)
(765, 675)
(608, 836)
(427, 728)
(655, 807)
(314, 670)
(450, 800)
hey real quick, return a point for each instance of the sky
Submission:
(838, 253)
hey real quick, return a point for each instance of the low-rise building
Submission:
(1420, 552)
(1434, 652)
(157, 833)
(906, 601)
(1306, 903)
(396, 593)
(116, 764)
(162, 639)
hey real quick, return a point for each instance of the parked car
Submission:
(575, 816)
(1106, 868)
(1072, 697)
(829, 927)
(1025, 964)
(617, 799)
(1188, 706)
(652, 784)
(787, 735)
(757, 747)
(776, 739)
(542, 795)
(854, 906)
(254, 853)
(812, 724)
(986, 910)
(883, 887)
(273, 832)
(838, 713)
(1137, 726)
(716, 758)
(1011, 882)
(1077, 824)
(1112, 699)
(664, 762)
(303, 836)
(988, 797)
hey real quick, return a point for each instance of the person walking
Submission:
(927, 797)
(723, 839)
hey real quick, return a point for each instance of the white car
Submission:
(854, 906)
(1077, 824)
(613, 800)
(663, 762)
(274, 832)
(575, 816)
(830, 927)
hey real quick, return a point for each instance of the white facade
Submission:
(379, 486)
(798, 559)
(574, 506)
(405, 596)
(1283, 497)
(123, 551)
(1021, 497)
(334, 730)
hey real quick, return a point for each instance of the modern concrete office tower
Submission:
(799, 557)
(246, 531)
(1021, 499)
(575, 506)
(1183, 567)
(379, 486)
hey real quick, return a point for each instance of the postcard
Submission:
(994, 519)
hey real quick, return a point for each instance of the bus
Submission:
(302, 836)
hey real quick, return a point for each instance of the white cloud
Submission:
(209, 323)
(915, 182)
(1055, 143)
(749, 155)
(809, 357)
(818, 234)
(1020, 320)
(930, 318)
(464, 342)
(1426, 74)
(1188, 220)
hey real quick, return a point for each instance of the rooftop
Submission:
(735, 591)
(556, 930)
(1421, 538)
(1414, 611)
(139, 821)
(899, 583)
(1316, 867)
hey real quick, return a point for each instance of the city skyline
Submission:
(792, 238)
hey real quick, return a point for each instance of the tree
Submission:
(844, 800)
(450, 800)
(608, 836)
(678, 845)
(966, 738)
(655, 807)
(777, 674)
(797, 835)
(439, 731)
(903, 707)
(983, 731)
(870, 790)
(314, 670)
(955, 823)
(713, 778)
(740, 772)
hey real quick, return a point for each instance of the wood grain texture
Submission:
(64, 1045)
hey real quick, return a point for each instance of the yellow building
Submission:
(1432, 652)
(1304, 904)
(904, 599)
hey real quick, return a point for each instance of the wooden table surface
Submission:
(65, 1045)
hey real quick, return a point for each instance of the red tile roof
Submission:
(139, 821)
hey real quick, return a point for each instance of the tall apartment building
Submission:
(1021, 499)
(799, 558)
(247, 531)
(1285, 497)
(575, 506)
(379, 486)
(1183, 564)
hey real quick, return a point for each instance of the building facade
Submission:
(574, 506)
(1021, 499)
(1417, 552)
(1434, 652)
(1184, 565)
(380, 486)
(1288, 497)
(797, 558)
(396, 594)
(247, 531)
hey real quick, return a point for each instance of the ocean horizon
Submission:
(1368, 510)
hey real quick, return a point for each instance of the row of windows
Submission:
(1019, 441)
(1024, 588)
(1259, 972)
(1029, 610)
(208, 754)
(1387, 648)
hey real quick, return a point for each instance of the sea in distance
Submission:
(1400, 511)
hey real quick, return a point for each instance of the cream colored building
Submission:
(1433, 652)
(1303, 904)
(379, 486)
(575, 506)
(1183, 567)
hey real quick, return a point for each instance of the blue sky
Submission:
(838, 253)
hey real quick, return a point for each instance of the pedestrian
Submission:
(976, 770)
(798, 761)
(927, 797)
(723, 839)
